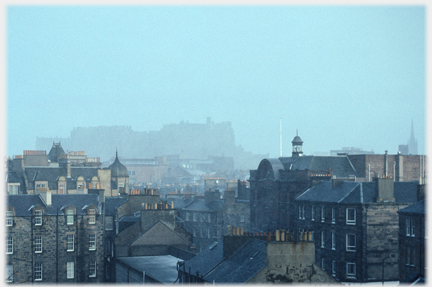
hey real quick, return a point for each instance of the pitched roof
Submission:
(340, 165)
(111, 204)
(356, 192)
(417, 208)
(161, 268)
(206, 260)
(22, 203)
(242, 266)
(160, 234)
(198, 204)
(52, 174)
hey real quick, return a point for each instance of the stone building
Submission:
(254, 259)
(412, 238)
(355, 226)
(71, 173)
(206, 217)
(54, 238)
(277, 181)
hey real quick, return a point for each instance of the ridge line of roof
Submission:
(358, 183)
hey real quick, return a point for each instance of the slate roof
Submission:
(206, 260)
(111, 204)
(160, 234)
(180, 203)
(416, 208)
(52, 174)
(356, 192)
(198, 204)
(242, 266)
(340, 165)
(22, 203)
(161, 268)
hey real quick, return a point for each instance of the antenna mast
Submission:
(280, 135)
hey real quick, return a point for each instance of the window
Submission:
(109, 223)
(92, 242)
(61, 188)
(194, 217)
(408, 256)
(70, 242)
(69, 217)
(92, 216)
(9, 273)
(322, 214)
(38, 272)
(408, 227)
(322, 264)
(333, 268)
(38, 244)
(351, 270)
(13, 188)
(350, 216)
(9, 218)
(333, 238)
(350, 242)
(242, 217)
(187, 216)
(38, 217)
(412, 228)
(208, 233)
(9, 245)
(92, 269)
(313, 213)
(322, 239)
(301, 212)
(70, 270)
(333, 215)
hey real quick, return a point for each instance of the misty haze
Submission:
(215, 145)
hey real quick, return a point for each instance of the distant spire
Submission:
(116, 154)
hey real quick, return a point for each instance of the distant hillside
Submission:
(194, 141)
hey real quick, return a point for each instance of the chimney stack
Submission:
(384, 190)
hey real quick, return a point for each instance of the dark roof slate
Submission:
(22, 203)
(52, 175)
(206, 260)
(111, 204)
(356, 192)
(242, 266)
(416, 208)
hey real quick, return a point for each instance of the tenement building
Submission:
(276, 181)
(54, 238)
(61, 173)
(355, 226)
(412, 237)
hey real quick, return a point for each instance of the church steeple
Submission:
(412, 142)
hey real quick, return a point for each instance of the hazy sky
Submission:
(347, 76)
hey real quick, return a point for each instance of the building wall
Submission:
(290, 262)
(381, 227)
(411, 248)
(400, 167)
(54, 256)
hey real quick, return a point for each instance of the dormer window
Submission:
(92, 216)
(13, 188)
(9, 218)
(69, 217)
(38, 217)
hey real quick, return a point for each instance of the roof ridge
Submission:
(358, 183)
